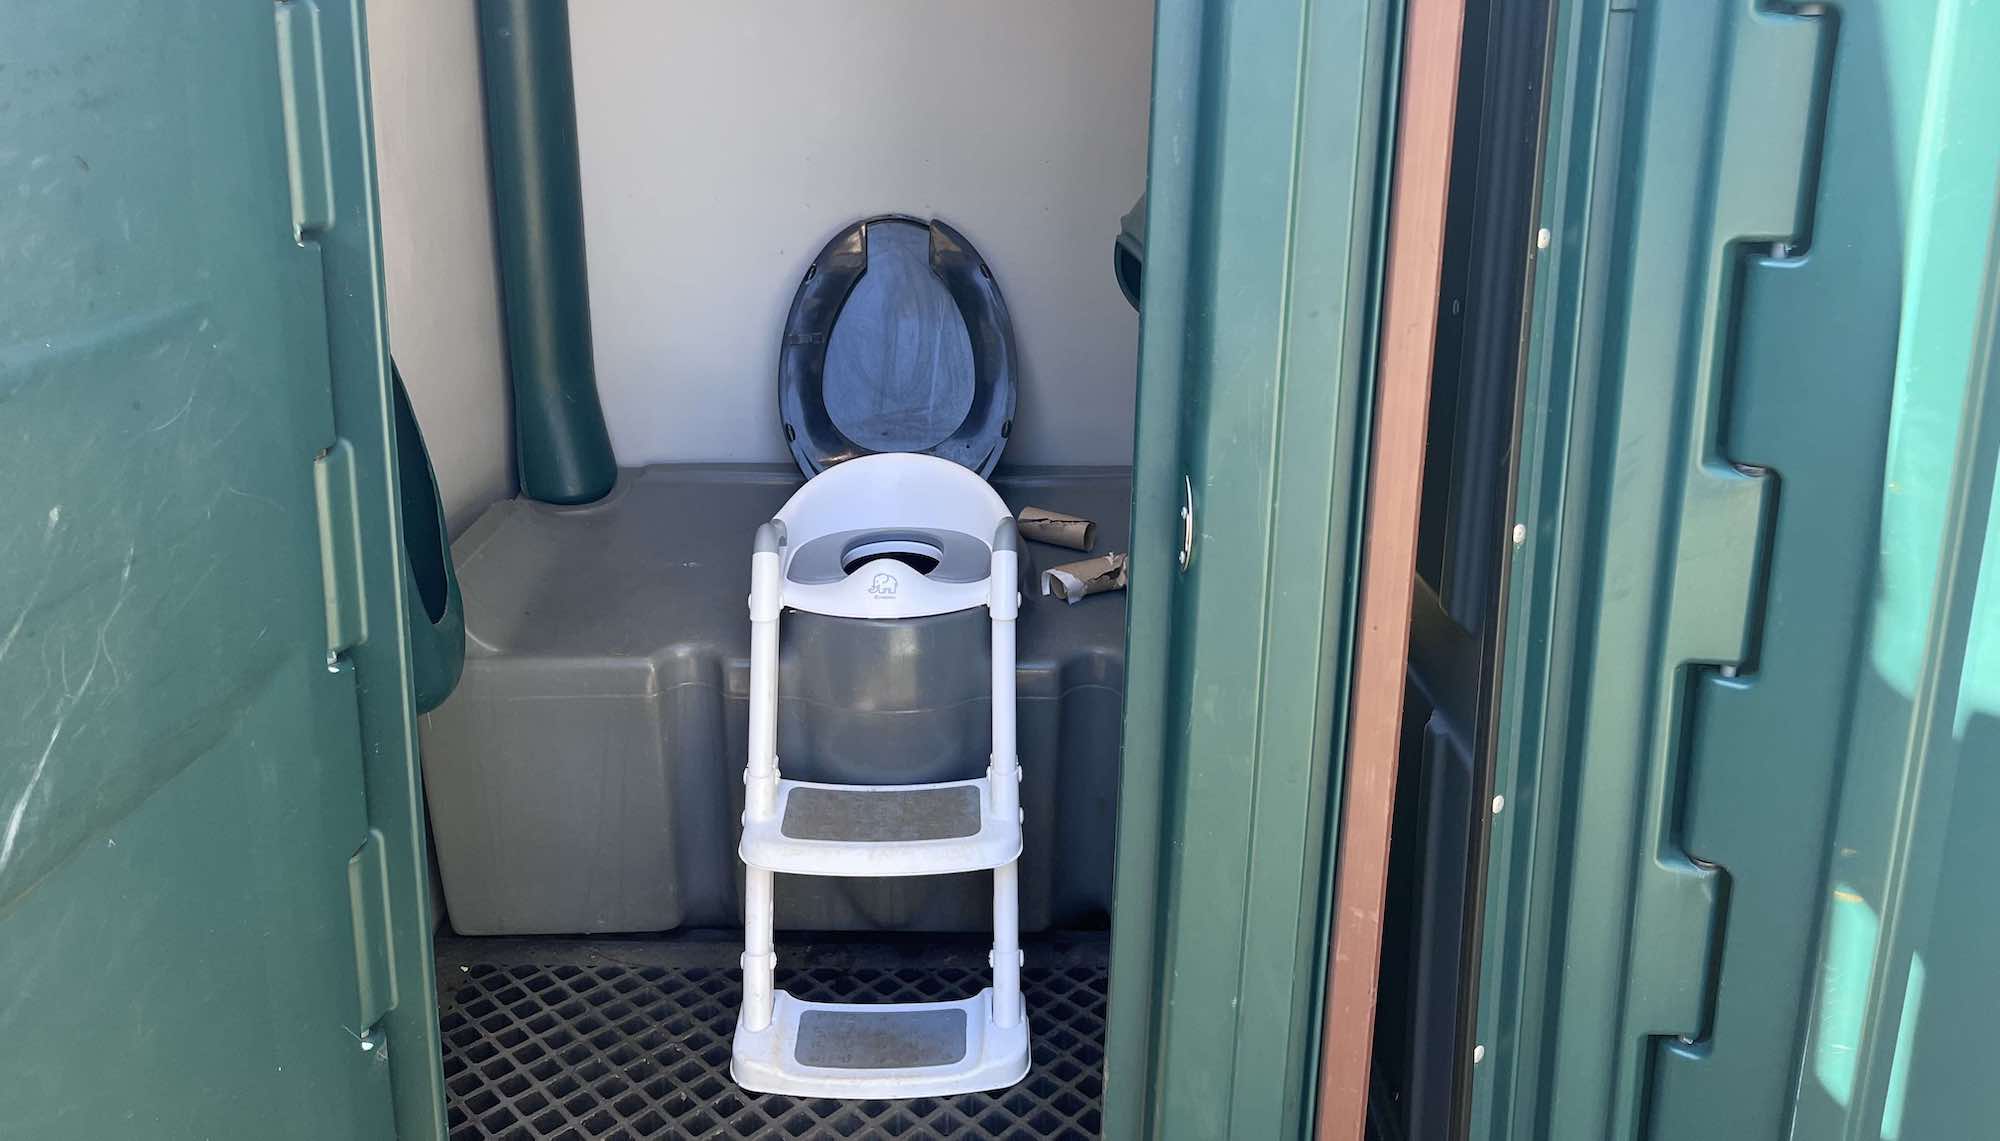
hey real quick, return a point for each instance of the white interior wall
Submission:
(437, 237)
(723, 144)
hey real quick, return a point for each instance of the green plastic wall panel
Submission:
(190, 315)
(1754, 472)
(1262, 250)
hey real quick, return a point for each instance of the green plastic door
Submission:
(1262, 252)
(212, 921)
(1750, 724)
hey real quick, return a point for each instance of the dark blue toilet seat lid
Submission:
(898, 341)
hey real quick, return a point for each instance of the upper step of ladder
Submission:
(881, 830)
(880, 1050)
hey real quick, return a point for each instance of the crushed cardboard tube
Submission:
(1053, 527)
(1072, 582)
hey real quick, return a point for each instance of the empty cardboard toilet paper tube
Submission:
(1072, 582)
(1057, 529)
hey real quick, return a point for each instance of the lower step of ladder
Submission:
(880, 1050)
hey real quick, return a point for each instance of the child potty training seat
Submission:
(884, 536)
(897, 391)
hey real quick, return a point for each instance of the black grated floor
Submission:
(554, 1040)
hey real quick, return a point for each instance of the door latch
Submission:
(1187, 522)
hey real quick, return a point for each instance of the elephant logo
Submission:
(883, 586)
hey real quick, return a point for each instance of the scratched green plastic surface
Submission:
(182, 777)
(1262, 252)
(1748, 732)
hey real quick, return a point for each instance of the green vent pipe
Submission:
(563, 451)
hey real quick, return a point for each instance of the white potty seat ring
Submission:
(953, 556)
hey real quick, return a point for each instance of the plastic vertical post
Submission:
(760, 775)
(759, 955)
(1007, 944)
(1004, 773)
(562, 445)
(1004, 603)
(760, 960)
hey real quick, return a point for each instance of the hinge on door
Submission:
(1763, 138)
(302, 94)
(374, 967)
(1721, 551)
(335, 495)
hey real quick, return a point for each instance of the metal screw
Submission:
(1499, 802)
(1478, 1054)
(1520, 533)
(1542, 238)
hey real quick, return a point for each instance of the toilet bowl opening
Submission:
(916, 554)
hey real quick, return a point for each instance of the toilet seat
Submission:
(897, 341)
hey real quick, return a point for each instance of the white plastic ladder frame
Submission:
(761, 773)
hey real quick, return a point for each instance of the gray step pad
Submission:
(860, 816)
(863, 1039)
